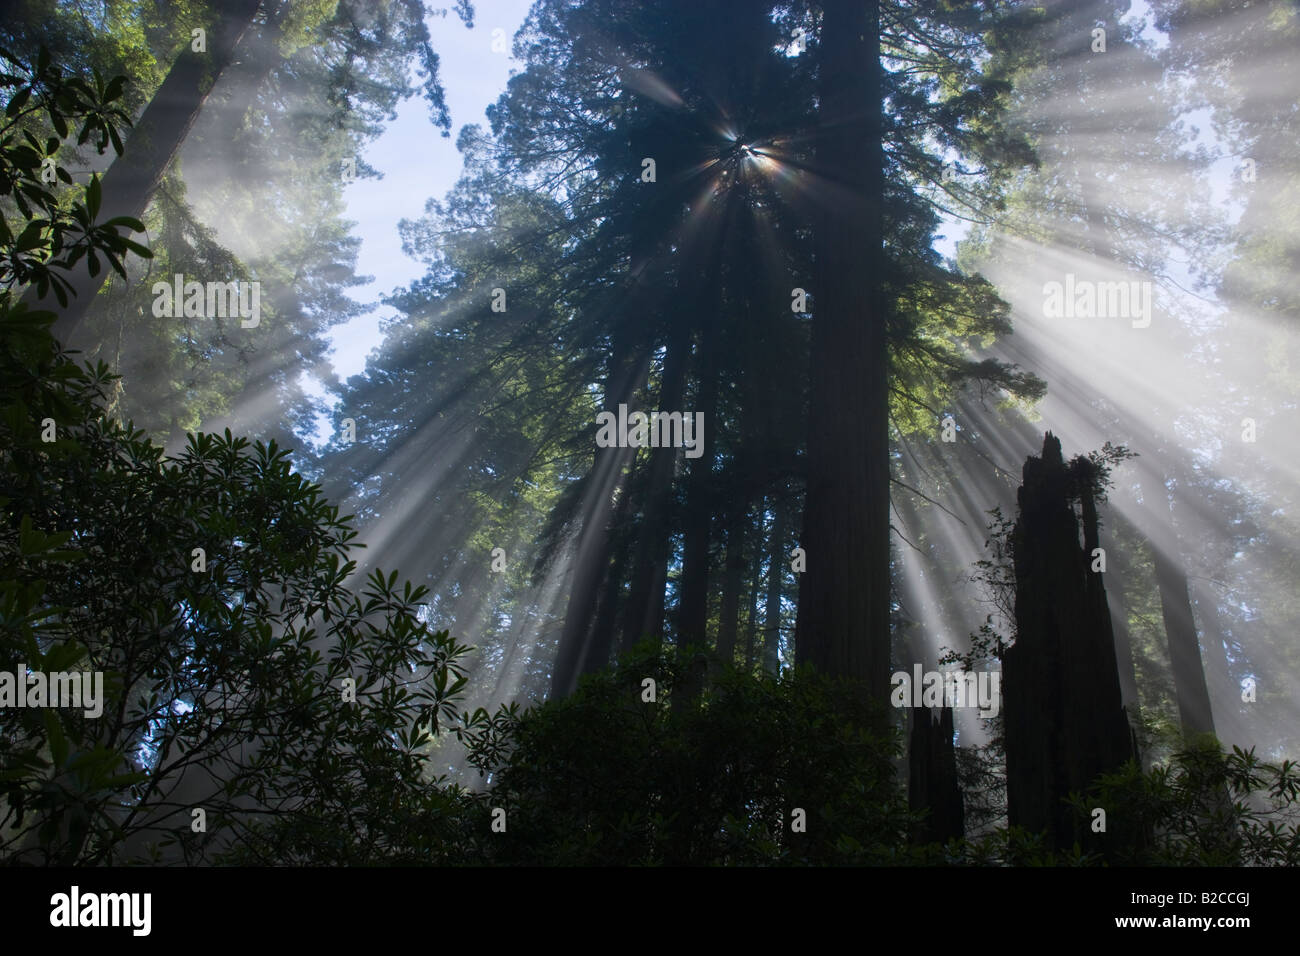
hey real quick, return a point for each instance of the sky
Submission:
(418, 163)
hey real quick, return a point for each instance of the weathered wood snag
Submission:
(1065, 721)
(932, 776)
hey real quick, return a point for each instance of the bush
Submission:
(1205, 807)
(208, 589)
(604, 777)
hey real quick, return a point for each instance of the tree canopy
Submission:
(815, 433)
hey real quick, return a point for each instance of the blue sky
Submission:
(418, 163)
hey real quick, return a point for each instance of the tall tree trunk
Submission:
(259, 55)
(154, 142)
(610, 592)
(733, 576)
(755, 588)
(932, 776)
(1217, 676)
(591, 560)
(1063, 716)
(1194, 712)
(650, 565)
(1119, 568)
(844, 596)
(693, 607)
(772, 602)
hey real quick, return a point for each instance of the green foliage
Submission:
(599, 265)
(225, 686)
(603, 778)
(256, 193)
(995, 574)
(223, 681)
(48, 236)
(1205, 807)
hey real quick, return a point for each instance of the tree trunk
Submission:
(932, 776)
(611, 588)
(693, 607)
(755, 588)
(1064, 720)
(1228, 724)
(733, 576)
(1118, 566)
(772, 602)
(844, 596)
(1194, 712)
(649, 567)
(154, 141)
(591, 560)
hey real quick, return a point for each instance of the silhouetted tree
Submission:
(1064, 720)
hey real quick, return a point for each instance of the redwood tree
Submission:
(844, 600)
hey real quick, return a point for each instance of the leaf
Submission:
(30, 237)
(18, 101)
(94, 193)
(135, 225)
(54, 730)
